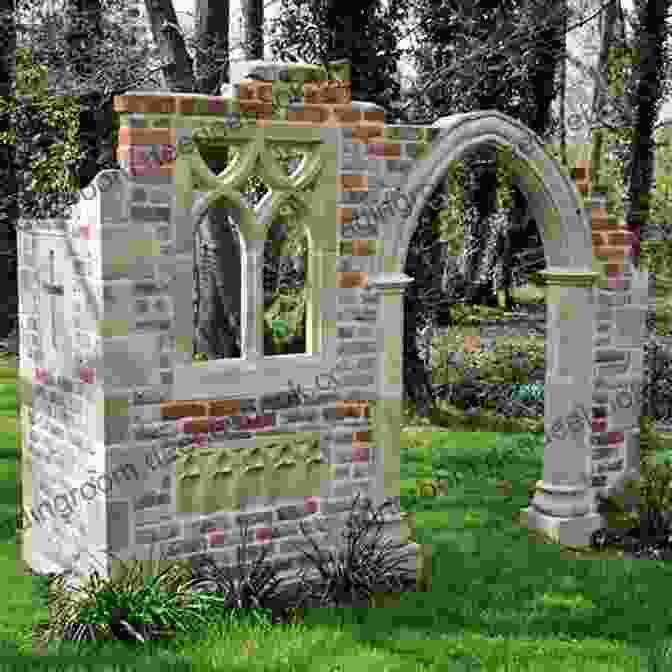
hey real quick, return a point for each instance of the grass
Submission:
(502, 598)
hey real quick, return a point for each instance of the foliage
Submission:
(451, 35)
(363, 567)
(255, 588)
(62, 117)
(663, 321)
(285, 318)
(56, 153)
(496, 366)
(322, 31)
(164, 600)
(478, 56)
(642, 504)
(37, 121)
(661, 200)
(286, 306)
(658, 385)
(449, 218)
(464, 314)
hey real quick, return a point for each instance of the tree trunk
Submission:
(599, 96)
(177, 64)
(83, 33)
(479, 202)
(648, 69)
(563, 92)
(418, 386)
(483, 246)
(417, 379)
(218, 301)
(212, 40)
(253, 14)
(8, 185)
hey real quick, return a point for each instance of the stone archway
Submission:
(564, 504)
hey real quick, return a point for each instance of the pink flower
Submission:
(265, 534)
(41, 376)
(86, 232)
(311, 504)
(87, 375)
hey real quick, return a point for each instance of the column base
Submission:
(571, 532)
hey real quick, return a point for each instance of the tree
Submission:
(8, 185)
(645, 98)
(216, 249)
(366, 33)
(83, 33)
(212, 48)
(177, 64)
(253, 13)
(218, 286)
(488, 69)
(58, 157)
(599, 95)
(451, 36)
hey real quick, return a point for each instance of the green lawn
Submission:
(501, 598)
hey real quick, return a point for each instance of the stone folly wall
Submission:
(176, 453)
(152, 451)
(622, 299)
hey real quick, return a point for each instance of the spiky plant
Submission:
(363, 568)
(255, 590)
(132, 607)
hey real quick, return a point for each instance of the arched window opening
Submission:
(285, 298)
(218, 285)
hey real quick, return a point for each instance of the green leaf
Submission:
(280, 328)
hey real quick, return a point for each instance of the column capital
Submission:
(389, 282)
(566, 277)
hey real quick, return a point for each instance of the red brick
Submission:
(346, 115)
(223, 407)
(146, 136)
(145, 105)
(353, 182)
(351, 279)
(172, 410)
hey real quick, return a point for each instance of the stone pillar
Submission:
(563, 505)
(388, 420)
(389, 374)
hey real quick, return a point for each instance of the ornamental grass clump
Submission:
(133, 607)
(254, 591)
(354, 574)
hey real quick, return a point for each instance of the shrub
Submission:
(642, 503)
(497, 366)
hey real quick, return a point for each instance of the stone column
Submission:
(252, 321)
(563, 505)
(388, 420)
(389, 411)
